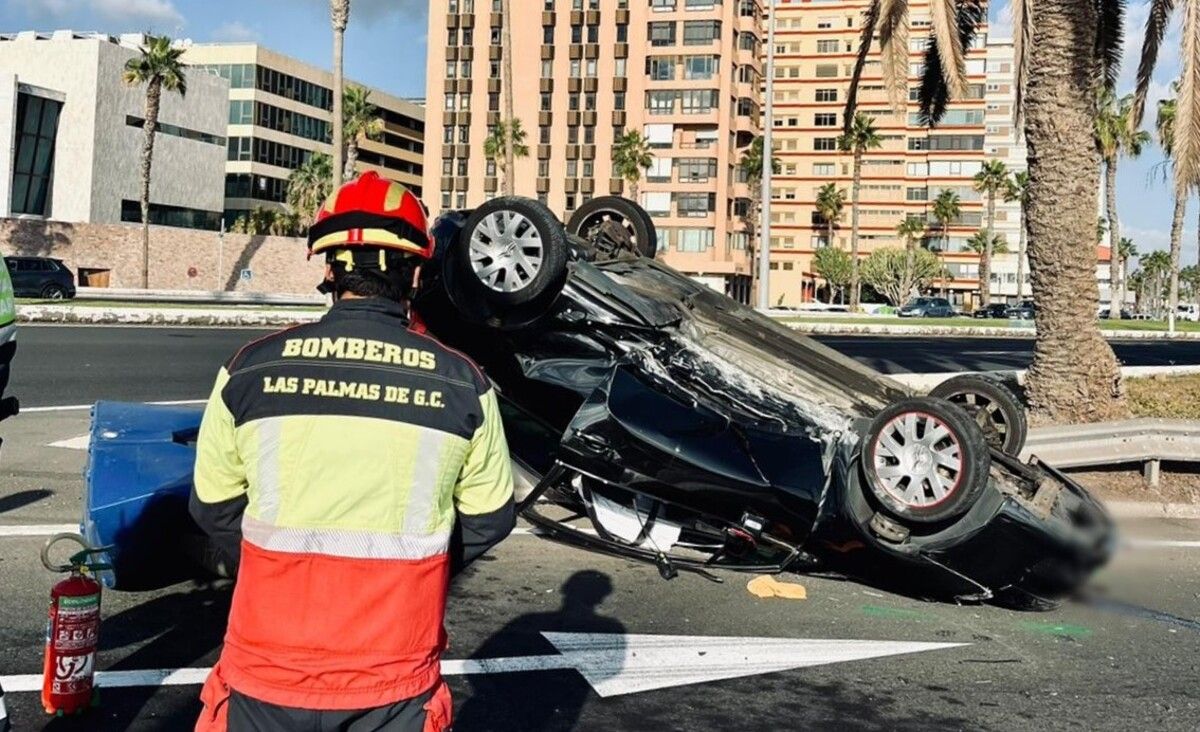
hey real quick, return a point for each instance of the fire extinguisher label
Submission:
(71, 670)
(78, 621)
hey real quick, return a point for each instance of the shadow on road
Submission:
(20, 499)
(538, 701)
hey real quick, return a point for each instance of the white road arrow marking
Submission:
(613, 663)
(74, 443)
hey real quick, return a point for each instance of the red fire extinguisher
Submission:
(72, 632)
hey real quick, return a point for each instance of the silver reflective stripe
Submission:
(426, 481)
(349, 543)
(269, 489)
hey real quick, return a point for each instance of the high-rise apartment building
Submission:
(815, 46)
(281, 112)
(684, 73)
(1004, 142)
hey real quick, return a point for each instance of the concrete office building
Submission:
(280, 111)
(816, 44)
(72, 135)
(685, 73)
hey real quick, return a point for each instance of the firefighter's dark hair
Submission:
(394, 283)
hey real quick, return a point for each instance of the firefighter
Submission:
(334, 462)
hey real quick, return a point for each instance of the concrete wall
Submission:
(181, 259)
(97, 155)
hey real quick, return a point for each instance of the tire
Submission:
(995, 407)
(632, 217)
(54, 292)
(512, 251)
(901, 465)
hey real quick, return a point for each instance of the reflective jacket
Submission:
(346, 449)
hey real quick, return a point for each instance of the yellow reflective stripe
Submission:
(485, 483)
(395, 196)
(219, 473)
(353, 544)
(368, 237)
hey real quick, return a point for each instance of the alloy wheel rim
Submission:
(918, 460)
(598, 218)
(986, 413)
(506, 251)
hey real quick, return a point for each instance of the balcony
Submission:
(467, 20)
(620, 84)
(615, 186)
(547, 53)
(451, 20)
(620, 50)
(466, 53)
(571, 185)
(546, 86)
(543, 185)
(548, 18)
(543, 152)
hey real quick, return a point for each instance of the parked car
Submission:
(1190, 312)
(688, 430)
(1022, 311)
(927, 307)
(995, 310)
(43, 277)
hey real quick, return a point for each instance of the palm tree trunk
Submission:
(1114, 239)
(153, 100)
(340, 15)
(633, 190)
(1074, 376)
(1021, 254)
(1176, 247)
(854, 281)
(985, 258)
(506, 51)
(351, 159)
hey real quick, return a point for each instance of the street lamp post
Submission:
(764, 229)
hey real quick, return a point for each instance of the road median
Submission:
(243, 317)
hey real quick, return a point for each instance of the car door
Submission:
(18, 270)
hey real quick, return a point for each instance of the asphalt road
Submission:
(78, 365)
(1133, 664)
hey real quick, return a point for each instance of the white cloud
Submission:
(1000, 22)
(1149, 240)
(237, 32)
(129, 15)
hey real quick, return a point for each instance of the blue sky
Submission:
(386, 48)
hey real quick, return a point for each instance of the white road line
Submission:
(80, 407)
(36, 530)
(1162, 543)
(74, 443)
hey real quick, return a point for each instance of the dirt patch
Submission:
(1179, 483)
(1174, 397)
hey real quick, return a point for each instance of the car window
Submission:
(941, 302)
(18, 265)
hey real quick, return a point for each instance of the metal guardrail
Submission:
(1147, 441)
(197, 296)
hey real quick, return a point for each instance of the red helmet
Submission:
(371, 212)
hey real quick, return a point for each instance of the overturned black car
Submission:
(693, 432)
(651, 417)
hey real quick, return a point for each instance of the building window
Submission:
(33, 163)
(177, 131)
(825, 143)
(241, 112)
(662, 6)
(660, 68)
(697, 68)
(826, 71)
(698, 101)
(701, 32)
(695, 204)
(697, 170)
(239, 148)
(825, 119)
(828, 46)
(660, 102)
(827, 95)
(163, 215)
(661, 34)
(694, 240)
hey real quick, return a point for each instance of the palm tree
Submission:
(947, 207)
(339, 16)
(1114, 138)
(1127, 250)
(362, 121)
(983, 239)
(631, 159)
(858, 138)
(830, 202)
(511, 142)
(1156, 269)
(1165, 127)
(991, 179)
(1018, 191)
(911, 229)
(309, 186)
(506, 135)
(752, 166)
(1063, 51)
(159, 68)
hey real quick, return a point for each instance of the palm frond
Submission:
(948, 42)
(1156, 27)
(1110, 39)
(934, 93)
(893, 49)
(1185, 145)
(1022, 18)
(870, 20)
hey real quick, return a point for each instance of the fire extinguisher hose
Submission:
(78, 560)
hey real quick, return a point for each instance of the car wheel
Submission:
(925, 460)
(512, 251)
(637, 224)
(995, 407)
(53, 292)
